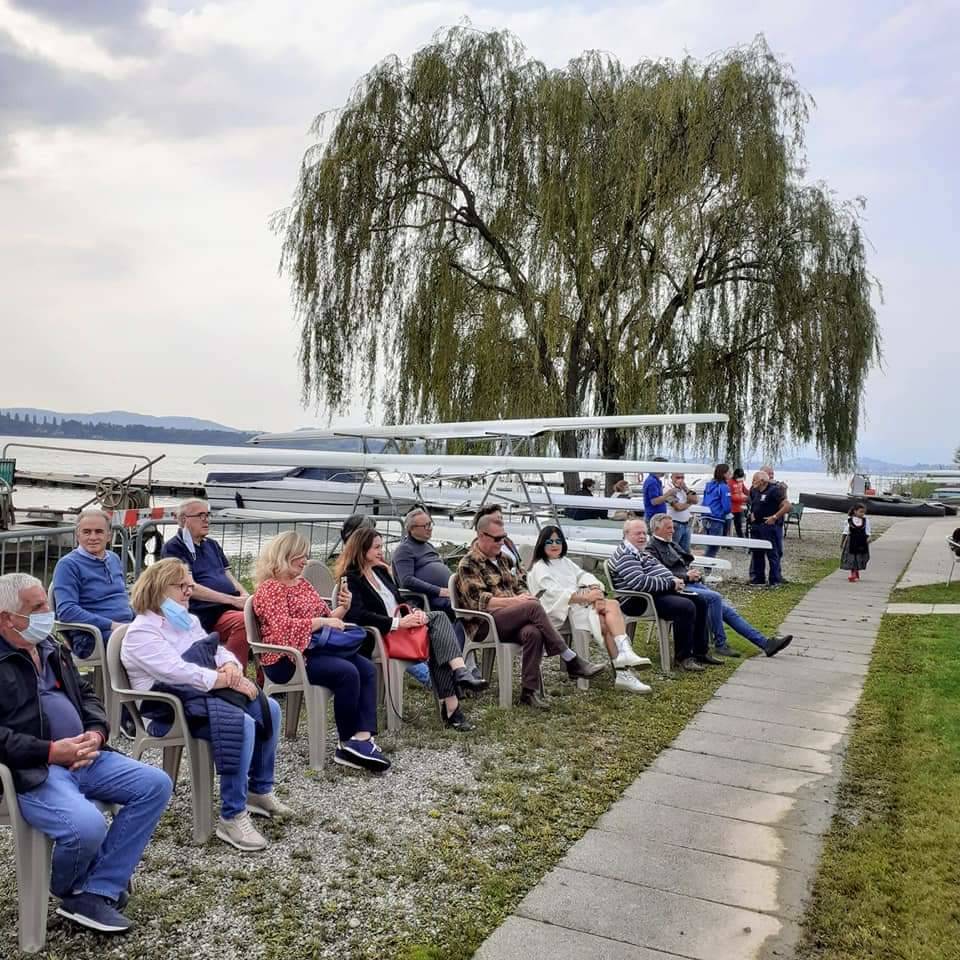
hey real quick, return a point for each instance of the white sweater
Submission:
(552, 582)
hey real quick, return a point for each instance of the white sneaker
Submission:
(627, 681)
(241, 833)
(627, 658)
(267, 805)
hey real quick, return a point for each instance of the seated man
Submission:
(53, 732)
(485, 582)
(88, 583)
(508, 548)
(632, 568)
(218, 597)
(768, 506)
(720, 610)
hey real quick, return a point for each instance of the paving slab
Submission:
(947, 609)
(843, 687)
(754, 806)
(830, 628)
(775, 754)
(824, 669)
(909, 609)
(519, 938)
(749, 774)
(769, 732)
(712, 833)
(806, 649)
(831, 641)
(932, 561)
(643, 916)
(776, 714)
(694, 873)
(823, 703)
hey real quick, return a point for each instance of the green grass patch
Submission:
(890, 871)
(928, 593)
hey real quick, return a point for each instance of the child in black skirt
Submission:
(855, 543)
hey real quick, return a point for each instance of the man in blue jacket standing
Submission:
(53, 735)
(654, 499)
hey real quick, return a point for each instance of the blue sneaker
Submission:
(94, 912)
(421, 673)
(362, 755)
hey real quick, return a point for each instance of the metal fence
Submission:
(35, 551)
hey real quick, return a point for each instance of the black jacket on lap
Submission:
(24, 742)
(677, 561)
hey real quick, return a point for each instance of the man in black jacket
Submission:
(719, 609)
(53, 735)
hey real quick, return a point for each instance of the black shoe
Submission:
(127, 726)
(531, 698)
(725, 650)
(578, 668)
(468, 681)
(777, 643)
(712, 660)
(456, 721)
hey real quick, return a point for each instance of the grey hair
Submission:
(11, 586)
(629, 520)
(486, 522)
(183, 507)
(658, 520)
(412, 515)
(93, 512)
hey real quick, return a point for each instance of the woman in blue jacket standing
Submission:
(716, 496)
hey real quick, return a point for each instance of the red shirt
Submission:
(286, 613)
(738, 496)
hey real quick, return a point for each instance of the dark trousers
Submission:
(444, 647)
(760, 558)
(688, 614)
(352, 680)
(738, 523)
(527, 624)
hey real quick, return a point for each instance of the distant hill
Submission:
(122, 418)
(869, 464)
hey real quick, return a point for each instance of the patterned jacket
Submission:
(479, 578)
(632, 570)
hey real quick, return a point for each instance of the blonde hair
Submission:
(275, 557)
(150, 589)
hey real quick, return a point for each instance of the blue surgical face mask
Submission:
(38, 628)
(177, 616)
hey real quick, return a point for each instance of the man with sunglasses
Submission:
(218, 596)
(485, 582)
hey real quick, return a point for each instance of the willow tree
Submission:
(486, 237)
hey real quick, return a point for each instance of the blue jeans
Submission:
(714, 528)
(88, 857)
(759, 558)
(721, 611)
(353, 681)
(257, 759)
(681, 535)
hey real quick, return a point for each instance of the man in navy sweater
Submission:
(88, 583)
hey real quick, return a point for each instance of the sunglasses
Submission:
(497, 539)
(552, 541)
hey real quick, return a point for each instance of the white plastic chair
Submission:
(172, 743)
(655, 625)
(955, 550)
(96, 663)
(298, 690)
(318, 575)
(33, 853)
(491, 646)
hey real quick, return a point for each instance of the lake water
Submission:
(179, 465)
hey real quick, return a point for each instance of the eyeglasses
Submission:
(427, 523)
(196, 516)
(552, 541)
(186, 587)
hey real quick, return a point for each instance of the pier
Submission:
(88, 481)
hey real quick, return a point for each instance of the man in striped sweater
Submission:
(633, 569)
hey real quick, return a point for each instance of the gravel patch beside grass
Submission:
(422, 863)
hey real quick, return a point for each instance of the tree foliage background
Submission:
(481, 236)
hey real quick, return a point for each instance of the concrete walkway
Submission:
(921, 609)
(933, 560)
(710, 853)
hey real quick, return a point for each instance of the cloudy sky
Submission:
(144, 145)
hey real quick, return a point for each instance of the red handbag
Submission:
(407, 643)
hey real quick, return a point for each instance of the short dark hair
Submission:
(588, 482)
(720, 471)
(353, 523)
(486, 511)
(738, 474)
(540, 550)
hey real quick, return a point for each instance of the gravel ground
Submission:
(369, 864)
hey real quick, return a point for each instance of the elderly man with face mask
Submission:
(88, 583)
(53, 735)
(218, 596)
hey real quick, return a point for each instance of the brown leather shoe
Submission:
(532, 698)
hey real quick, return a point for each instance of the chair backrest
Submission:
(608, 569)
(796, 511)
(452, 587)
(954, 543)
(51, 599)
(526, 555)
(318, 575)
(250, 622)
(115, 669)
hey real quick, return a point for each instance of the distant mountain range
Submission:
(869, 464)
(123, 418)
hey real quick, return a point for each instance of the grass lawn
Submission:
(929, 593)
(889, 883)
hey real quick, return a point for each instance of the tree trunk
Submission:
(567, 443)
(613, 446)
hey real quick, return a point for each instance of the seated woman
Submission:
(290, 611)
(165, 648)
(568, 593)
(374, 602)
